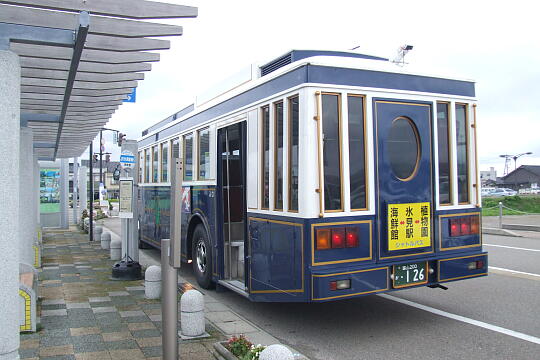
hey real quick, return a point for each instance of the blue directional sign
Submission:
(131, 97)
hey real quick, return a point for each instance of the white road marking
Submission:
(511, 247)
(513, 271)
(464, 319)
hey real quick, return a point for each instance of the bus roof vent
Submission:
(296, 55)
(276, 64)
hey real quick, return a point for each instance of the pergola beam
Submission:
(56, 64)
(134, 9)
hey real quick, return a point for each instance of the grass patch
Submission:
(529, 204)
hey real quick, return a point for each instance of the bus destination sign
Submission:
(409, 226)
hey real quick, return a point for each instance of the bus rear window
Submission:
(357, 152)
(331, 151)
(462, 143)
(443, 136)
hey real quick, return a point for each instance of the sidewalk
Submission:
(85, 315)
(218, 315)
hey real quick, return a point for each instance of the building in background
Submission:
(488, 177)
(524, 177)
(112, 186)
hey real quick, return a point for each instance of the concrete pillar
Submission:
(75, 189)
(36, 190)
(64, 193)
(83, 192)
(10, 93)
(27, 229)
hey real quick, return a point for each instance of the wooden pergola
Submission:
(79, 61)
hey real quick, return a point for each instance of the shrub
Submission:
(238, 346)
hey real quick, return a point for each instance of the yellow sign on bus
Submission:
(409, 226)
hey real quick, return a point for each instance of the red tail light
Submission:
(338, 238)
(455, 227)
(352, 238)
(465, 226)
(475, 225)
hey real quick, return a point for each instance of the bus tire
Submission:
(202, 257)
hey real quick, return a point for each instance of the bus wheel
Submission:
(202, 257)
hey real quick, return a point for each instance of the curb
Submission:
(521, 227)
(501, 232)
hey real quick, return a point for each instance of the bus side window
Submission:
(204, 154)
(294, 142)
(147, 165)
(331, 121)
(155, 164)
(357, 152)
(188, 157)
(443, 150)
(265, 114)
(165, 162)
(278, 155)
(141, 166)
(462, 143)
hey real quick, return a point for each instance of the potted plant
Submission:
(238, 348)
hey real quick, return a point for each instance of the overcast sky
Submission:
(494, 43)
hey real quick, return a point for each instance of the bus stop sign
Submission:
(127, 159)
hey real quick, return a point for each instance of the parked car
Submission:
(502, 192)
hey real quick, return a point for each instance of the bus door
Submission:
(404, 179)
(232, 200)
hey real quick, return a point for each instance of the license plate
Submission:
(410, 274)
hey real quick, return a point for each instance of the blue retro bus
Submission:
(321, 176)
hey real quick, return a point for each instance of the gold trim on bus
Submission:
(302, 251)
(467, 154)
(317, 118)
(449, 149)
(477, 171)
(276, 145)
(375, 121)
(456, 258)
(441, 248)
(346, 273)
(262, 158)
(340, 139)
(366, 158)
(313, 226)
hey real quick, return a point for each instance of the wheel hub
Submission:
(201, 256)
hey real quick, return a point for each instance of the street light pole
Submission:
(101, 157)
(515, 157)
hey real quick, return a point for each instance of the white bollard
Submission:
(86, 224)
(98, 230)
(192, 313)
(106, 240)
(152, 282)
(276, 352)
(116, 249)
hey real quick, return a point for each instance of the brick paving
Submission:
(86, 315)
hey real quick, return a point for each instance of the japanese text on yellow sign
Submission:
(408, 226)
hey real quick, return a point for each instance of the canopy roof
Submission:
(79, 60)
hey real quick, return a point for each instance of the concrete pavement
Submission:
(219, 315)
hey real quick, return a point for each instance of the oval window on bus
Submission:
(403, 147)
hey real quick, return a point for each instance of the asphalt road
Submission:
(494, 317)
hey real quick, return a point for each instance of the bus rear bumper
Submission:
(365, 281)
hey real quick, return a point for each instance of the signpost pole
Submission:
(128, 268)
(170, 263)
